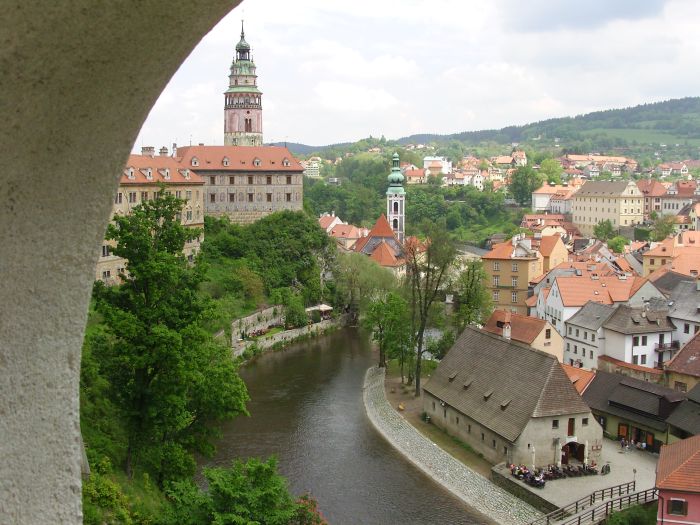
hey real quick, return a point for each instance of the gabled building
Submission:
(678, 483)
(680, 251)
(678, 195)
(509, 402)
(683, 302)
(536, 333)
(653, 191)
(682, 373)
(632, 409)
(382, 240)
(584, 339)
(140, 182)
(619, 202)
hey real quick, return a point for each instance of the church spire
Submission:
(396, 199)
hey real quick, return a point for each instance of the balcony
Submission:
(672, 345)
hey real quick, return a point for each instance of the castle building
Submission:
(396, 200)
(243, 100)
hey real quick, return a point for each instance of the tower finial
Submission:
(242, 32)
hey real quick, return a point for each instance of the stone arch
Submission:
(76, 48)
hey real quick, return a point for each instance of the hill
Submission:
(670, 122)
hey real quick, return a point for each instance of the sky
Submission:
(337, 71)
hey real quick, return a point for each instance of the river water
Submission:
(307, 409)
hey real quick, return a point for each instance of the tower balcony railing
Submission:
(671, 345)
(243, 106)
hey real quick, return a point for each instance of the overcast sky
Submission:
(335, 71)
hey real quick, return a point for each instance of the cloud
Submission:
(574, 15)
(348, 97)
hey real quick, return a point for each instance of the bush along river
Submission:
(307, 410)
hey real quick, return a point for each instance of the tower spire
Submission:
(396, 199)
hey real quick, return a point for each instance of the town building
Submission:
(679, 195)
(596, 201)
(584, 338)
(653, 191)
(678, 483)
(536, 333)
(684, 421)
(681, 253)
(312, 167)
(140, 182)
(632, 409)
(510, 267)
(382, 245)
(246, 183)
(683, 303)
(509, 402)
(243, 100)
(437, 166)
(682, 373)
(542, 197)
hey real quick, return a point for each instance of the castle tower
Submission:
(396, 200)
(242, 100)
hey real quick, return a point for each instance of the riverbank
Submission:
(464, 483)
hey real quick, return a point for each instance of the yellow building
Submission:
(622, 203)
(510, 266)
(140, 182)
(681, 252)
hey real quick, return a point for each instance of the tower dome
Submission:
(395, 178)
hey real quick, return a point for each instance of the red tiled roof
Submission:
(345, 231)
(531, 301)
(579, 377)
(415, 174)
(687, 361)
(160, 165)
(326, 221)
(240, 158)
(385, 256)
(381, 228)
(679, 466)
(523, 328)
(548, 243)
(578, 290)
(651, 188)
(623, 364)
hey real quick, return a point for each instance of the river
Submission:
(307, 409)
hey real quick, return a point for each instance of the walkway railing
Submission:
(590, 500)
(599, 513)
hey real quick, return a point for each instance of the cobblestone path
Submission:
(472, 488)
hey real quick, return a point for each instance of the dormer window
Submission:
(285, 162)
(149, 174)
(257, 162)
(166, 174)
(130, 173)
(195, 161)
(225, 162)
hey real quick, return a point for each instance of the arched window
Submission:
(396, 207)
(195, 161)
(396, 224)
(257, 162)
(225, 161)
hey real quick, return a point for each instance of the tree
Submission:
(523, 182)
(603, 230)
(428, 268)
(618, 243)
(663, 226)
(386, 317)
(295, 315)
(473, 303)
(551, 170)
(359, 280)
(171, 382)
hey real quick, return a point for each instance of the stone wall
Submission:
(259, 320)
(285, 337)
(500, 475)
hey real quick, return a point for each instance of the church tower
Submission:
(396, 200)
(242, 100)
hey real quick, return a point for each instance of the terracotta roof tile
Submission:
(523, 327)
(385, 256)
(679, 466)
(687, 361)
(579, 377)
(240, 158)
(630, 366)
(548, 243)
(160, 167)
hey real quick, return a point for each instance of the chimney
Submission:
(174, 149)
(506, 326)
(201, 143)
(163, 152)
(148, 151)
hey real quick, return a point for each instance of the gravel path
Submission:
(472, 488)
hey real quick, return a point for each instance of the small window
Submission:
(584, 422)
(514, 282)
(593, 337)
(232, 180)
(433, 405)
(514, 267)
(457, 420)
(250, 179)
(250, 197)
(118, 200)
(686, 326)
(644, 359)
(677, 507)
(188, 195)
(635, 340)
(132, 197)
(483, 437)
(269, 197)
(212, 180)
(469, 429)
(548, 333)
(195, 161)
(285, 162)
(225, 161)
(232, 197)
(105, 251)
(496, 266)
(555, 423)
(575, 349)
(268, 180)
(257, 162)
(644, 340)
(144, 196)
(493, 443)
(288, 197)
(212, 197)
(505, 451)
(106, 274)
(577, 332)
(289, 179)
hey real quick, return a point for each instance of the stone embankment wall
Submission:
(259, 320)
(474, 489)
(285, 337)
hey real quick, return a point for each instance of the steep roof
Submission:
(602, 188)
(385, 256)
(578, 290)
(651, 187)
(579, 377)
(548, 243)
(629, 320)
(505, 250)
(687, 415)
(326, 220)
(501, 384)
(641, 401)
(162, 168)
(381, 229)
(687, 361)
(679, 466)
(523, 327)
(592, 315)
(345, 231)
(239, 158)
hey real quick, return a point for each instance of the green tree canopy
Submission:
(618, 243)
(663, 227)
(524, 181)
(387, 318)
(169, 380)
(551, 170)
(472, 301)
(603, 230)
